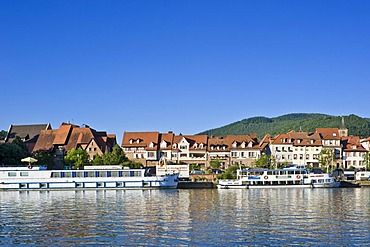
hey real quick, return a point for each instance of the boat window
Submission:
(303, 172)
(282, 172)
(55, 174)
(136, 174)
(24, 174)
(328, 180)
(114, 174)
(12, 174)
(79, 174)
(101, 174)
(90, 174)
(269, 173)
(321, 181)
(125, 174)
(67, 174)
(290, 172)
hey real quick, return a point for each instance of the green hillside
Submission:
(307, 122)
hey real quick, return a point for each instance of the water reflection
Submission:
(186, 217)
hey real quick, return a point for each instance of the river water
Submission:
(204, 217)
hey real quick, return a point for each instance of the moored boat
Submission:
(291, 177)
(95, 177)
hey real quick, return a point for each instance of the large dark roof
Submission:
(25, 132)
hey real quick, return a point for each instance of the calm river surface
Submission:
(265, 217)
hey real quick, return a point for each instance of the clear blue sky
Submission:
(185, 66)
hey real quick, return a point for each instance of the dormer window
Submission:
(218, 147)
(283, 140)
(223, 147)
(195, 145)
(151, 145)
(138, 141)
(131, 141)
(174, 146)
(334, 134)
(234, 144)
(163, 144)
(211, 147)
(312, 141)
(250, 144)
(354, 147)
(243, 145)
(201, 146)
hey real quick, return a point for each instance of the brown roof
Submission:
(168, 138)
(328, 133)
(218, 141)
(193, 139)
(72, 136)
(298, 139)
(141, 139)
(352, 144)
(240, 139)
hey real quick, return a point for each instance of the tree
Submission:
(326, 158)
(18, 141)
(3, 134)
(44, 158)
(116, 157)
(97, 160)
(76, 158)
(215, 164)
(263, 161)
(367, 161)
(11, 154)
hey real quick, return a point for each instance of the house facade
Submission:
(299, 148)
(200, 150)
(353, 152)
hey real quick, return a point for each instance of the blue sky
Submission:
(185, 66)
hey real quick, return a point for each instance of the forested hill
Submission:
(307, 122)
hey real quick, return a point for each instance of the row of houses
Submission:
(300, 148)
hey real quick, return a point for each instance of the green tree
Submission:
(230, 173)
(263, 161)
(11, 154)
(215, 164)
(326, 158)
(132, 164)
(76, 158)
(97, 160)
(18, 141)
(3, 134)
(367, 160)
(116, 157)
(44, 158)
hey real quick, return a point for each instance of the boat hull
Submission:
(44, 180)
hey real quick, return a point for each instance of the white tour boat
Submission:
(291, 177)
(93, 177)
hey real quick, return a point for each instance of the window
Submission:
(301, 156)
(24, 174)
(201, 146)
(183, 147)
(151, 154)
(234, 154)
(12, 174)
(234, 144)
(307, 156)
(295, 157)
(131, 141)
(151, 145)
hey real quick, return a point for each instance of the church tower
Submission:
(343, 131)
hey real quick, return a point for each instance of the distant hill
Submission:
(307, 122)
